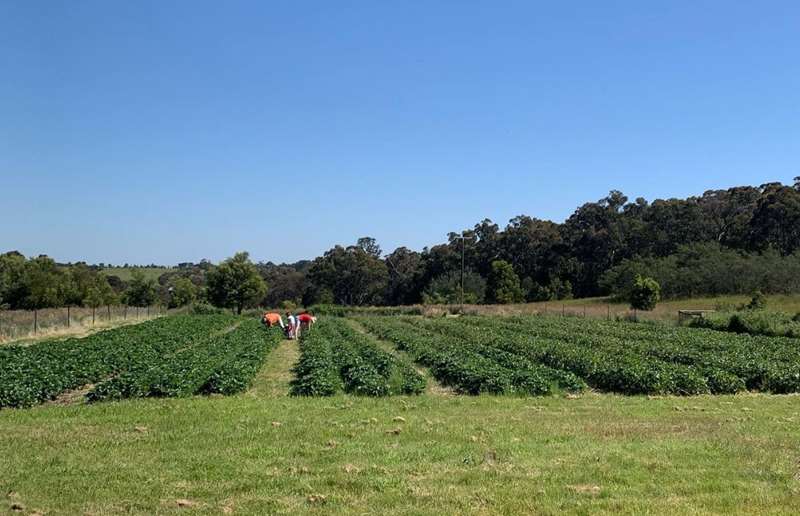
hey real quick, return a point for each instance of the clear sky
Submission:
(169, 131)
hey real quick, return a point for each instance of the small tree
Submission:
(758, 301)
(141, 291)
(446, 288)
(99, 293)
(645, 293)
(236, 283)
(503, 286)
(184, 292)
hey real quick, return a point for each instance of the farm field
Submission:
(372, 414)
(171, 356)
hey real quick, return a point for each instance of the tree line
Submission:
(731, 241)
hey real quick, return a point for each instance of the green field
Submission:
(263, 451)
(126, 273)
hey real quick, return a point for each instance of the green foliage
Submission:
(758, 322)
(236, 283)
(481, 354)
(555, 290)
(503, 286)
(354, 275)
(708, 269)
(758, 301)
(184, 292)
(335, 357)
(36, 373)
(141, 290)
(287, 304)
(446, 288)
(222, 363)
(645, 293)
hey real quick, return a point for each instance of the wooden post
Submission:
(35, 322)
(125, 314)
(148, 310)
(68, 322)
(608, 312)
(563, 309)
(93, 310)
(109, 312)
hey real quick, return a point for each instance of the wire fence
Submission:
(21, 324)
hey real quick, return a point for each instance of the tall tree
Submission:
(503, 286)
(236, 283)
(352, 275)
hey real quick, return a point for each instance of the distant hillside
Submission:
(125, 273)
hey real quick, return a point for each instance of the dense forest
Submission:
(730, 241)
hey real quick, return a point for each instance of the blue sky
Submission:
(171, 131)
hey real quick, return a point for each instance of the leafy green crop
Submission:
(335, 357)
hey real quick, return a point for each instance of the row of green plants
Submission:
(640, 359)
(754, 322)
(335, 358)
(470, 365)
(33, 374)
(224, 363)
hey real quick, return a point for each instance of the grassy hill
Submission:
(126, 273)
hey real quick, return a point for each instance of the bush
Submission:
(206, 309)
(758, 302)
(288, 304)
(645, 293)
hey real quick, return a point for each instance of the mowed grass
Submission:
(252, 454)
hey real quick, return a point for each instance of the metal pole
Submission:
(463, 244)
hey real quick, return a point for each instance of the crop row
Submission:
(223, 363)
(618, 357)
(170, 356)
(470, 366)
(334, 357)
(728, 362)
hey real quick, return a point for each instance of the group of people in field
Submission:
(295, 324)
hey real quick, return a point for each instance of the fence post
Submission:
(563, 310)
(148, 310)
(68, 322)
(35, 322)
(125, 315)
(608, 312)
(109, 312)
(93, 309)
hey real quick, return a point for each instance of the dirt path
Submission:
(434, 388)
(273, 379)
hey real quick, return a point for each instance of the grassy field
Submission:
(126, 273)
(263, 452)
(602, 307)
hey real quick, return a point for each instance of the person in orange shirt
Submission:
(270, 319)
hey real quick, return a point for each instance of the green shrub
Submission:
(645, 293)
(758, 302)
